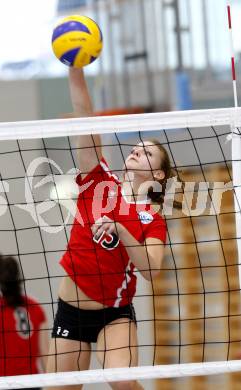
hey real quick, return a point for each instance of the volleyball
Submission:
(77, 41)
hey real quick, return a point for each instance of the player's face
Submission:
(145, 160)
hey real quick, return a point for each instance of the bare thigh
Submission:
(117, 344)
(68, 355)
(117, 347)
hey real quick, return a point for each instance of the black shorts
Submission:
(84, 325)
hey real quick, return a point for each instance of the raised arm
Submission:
(89, 147)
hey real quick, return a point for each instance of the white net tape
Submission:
(120, 374)
(120, 123)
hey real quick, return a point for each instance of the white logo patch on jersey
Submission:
(145, 217)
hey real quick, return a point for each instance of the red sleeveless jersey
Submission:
(103, 269)
(19, 337)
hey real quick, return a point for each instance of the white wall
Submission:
(49, 98)
(19, 100)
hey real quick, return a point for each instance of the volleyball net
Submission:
(189, 316)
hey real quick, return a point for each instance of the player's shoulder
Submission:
(3, 304)
(105, 166)
(34, 307)
(100, 172)
(160, 221)
(152, 214)
(30, 300)
(155, 225)
(159, 217)
(32, 303)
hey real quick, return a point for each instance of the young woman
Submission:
(23, 327)
(116, 231)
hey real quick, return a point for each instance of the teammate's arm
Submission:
(89, 147)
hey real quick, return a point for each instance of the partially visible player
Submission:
(116, 233)
(23, 325)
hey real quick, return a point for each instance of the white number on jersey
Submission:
(62, 332)
(110, 243)
(23, 323)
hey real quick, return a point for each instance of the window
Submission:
(65, 5)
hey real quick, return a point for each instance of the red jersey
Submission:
(102, 269)
(19, 337)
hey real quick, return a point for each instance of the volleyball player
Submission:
(23, 325)
(121, 232)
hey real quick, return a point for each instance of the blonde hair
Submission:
(157, 196)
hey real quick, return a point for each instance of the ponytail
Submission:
(10, 281)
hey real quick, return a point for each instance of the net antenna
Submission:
(236, 143)
(232, 52)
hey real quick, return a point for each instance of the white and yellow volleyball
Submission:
(77, 41)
